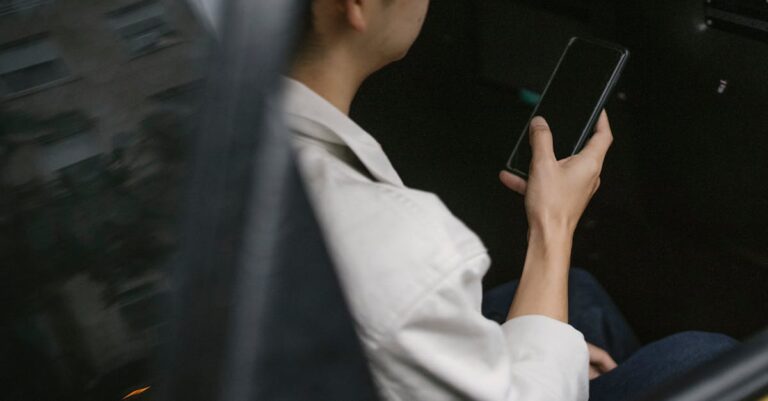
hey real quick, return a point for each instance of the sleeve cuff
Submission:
(549, 342)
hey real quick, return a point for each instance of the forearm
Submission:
(543, 288)
(556, 194)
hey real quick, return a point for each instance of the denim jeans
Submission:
(593, 313)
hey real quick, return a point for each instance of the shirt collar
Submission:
(311, 115)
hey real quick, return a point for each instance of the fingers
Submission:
(607, 364)
(598, 145)
(513, 182)
(593, 373)
(602, 122)
(600, 359)
(541, 139)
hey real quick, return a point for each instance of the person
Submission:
(412, 272)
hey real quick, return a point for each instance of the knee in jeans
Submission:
(703, 337)
(703, 344)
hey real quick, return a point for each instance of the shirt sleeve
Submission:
(444, 349)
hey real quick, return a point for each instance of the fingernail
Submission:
(539, 120)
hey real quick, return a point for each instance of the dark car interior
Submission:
(141, 159)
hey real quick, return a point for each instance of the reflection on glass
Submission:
(93, 102)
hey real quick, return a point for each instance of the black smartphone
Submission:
(573, 99)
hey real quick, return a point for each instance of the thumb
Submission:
(541, 140)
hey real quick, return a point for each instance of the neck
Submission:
(334, 77)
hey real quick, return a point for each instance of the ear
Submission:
(356, 12)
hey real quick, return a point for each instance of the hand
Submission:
(558, 191)
(599, 362)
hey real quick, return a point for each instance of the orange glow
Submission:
(136, 392)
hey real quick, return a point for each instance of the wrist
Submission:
(551, 246)
(551, 225)
(552, 234)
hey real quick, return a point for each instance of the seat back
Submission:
(260, 313)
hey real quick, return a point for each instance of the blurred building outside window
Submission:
(10, 7)
(29, 64)
(91, 151)
(143, 27)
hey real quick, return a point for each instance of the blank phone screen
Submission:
(572, 96)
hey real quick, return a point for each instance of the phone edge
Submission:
(625, 53)
(615, 77)
(508, 165)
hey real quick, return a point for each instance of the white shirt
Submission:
(412, 275)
